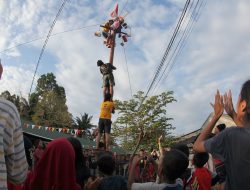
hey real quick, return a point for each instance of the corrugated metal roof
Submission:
(51, 135)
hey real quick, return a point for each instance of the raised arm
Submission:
(160, 146)
(113, 67)
(131, 176)
(218, 111)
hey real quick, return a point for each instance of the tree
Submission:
(48, 83)
(48, 103)
(6, 95)
(84, 123)
(143, 117)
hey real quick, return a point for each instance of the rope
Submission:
(54, 34)
(124, 7)
(46, 41)
(125, 56)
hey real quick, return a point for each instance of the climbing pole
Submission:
(115, 26)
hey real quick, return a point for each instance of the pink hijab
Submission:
(55, 170)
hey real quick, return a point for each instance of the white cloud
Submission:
(16, 80)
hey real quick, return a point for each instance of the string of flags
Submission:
(77, 132)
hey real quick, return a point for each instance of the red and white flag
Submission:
(114, 13)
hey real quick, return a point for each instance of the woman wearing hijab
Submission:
(55, 170)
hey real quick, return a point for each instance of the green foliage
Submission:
(148, 118)
(51, 110)
(20, 102)
(48, 103)
(84, 123)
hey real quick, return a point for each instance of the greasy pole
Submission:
(112, 49)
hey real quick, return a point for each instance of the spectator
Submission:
(171, 166)
(233, 144)
(13, 167)
(106, 167)
(82, 172)
(38, 152)
(201, 174)
(187, 174)
(28, 150)
(219, 162)
(155, 155)
(56, 169)
(219, 128)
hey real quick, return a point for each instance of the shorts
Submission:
(104, 125)
(108, 80)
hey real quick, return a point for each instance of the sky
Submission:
(215, 56)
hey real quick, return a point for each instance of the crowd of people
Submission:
(63, 164)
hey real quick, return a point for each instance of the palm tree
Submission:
(84, 123)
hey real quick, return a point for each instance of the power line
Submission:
(182, 42)
(178, 44)
(127, 71)
(46, 41)
(169, 46)
(54, 34)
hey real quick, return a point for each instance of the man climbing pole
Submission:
(106, 70)
(104, 125)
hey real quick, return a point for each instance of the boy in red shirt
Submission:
(201, 174)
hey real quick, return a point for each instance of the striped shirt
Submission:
(13, 164)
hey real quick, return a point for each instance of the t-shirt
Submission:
(233, 144)
(106, 68)
(203, 177)
(106, 109)
(113, 183)
(158, 186)
(12, 153)
(106, 27)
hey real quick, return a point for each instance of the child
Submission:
(201, 174)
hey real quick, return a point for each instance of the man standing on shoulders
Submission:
(104, 125)
(13, 167)
(106, 70)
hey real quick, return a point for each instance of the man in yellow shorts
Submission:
(104, 125)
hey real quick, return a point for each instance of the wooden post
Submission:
(112, 50)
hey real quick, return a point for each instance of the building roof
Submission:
(47, 135)
(189, 138)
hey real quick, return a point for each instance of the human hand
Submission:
(218, 105)
(92, 184)
(228, 104)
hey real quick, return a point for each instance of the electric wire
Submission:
(125, 56)
(181, 40)
(169, 46)
(184, 39)
(45, 43)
